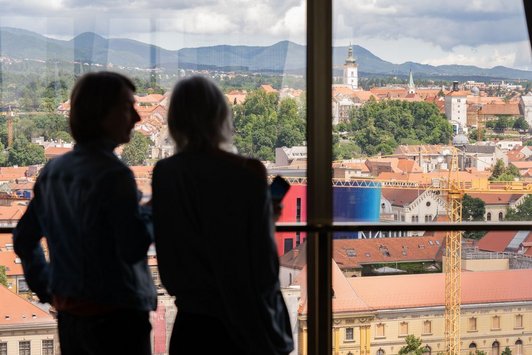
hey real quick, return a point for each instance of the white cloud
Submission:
(398, 31)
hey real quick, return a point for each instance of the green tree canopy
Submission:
(473, 209)
(520, 123)
(24, 153)
(379, 127)
(3, 276)
(412, 347)
(263, 123)
(523, 212)
(137, 150)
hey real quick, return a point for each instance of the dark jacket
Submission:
(215, 248)
(86, 206)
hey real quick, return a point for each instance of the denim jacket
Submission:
(86, 206)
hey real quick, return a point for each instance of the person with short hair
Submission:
(213, 227)
(86, 206)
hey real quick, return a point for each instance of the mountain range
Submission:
(282, 56)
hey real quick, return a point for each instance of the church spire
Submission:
(350, 58)
(411, 86)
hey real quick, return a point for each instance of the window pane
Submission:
(421, 135)
(254, 52)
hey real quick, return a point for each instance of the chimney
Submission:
(455, 86)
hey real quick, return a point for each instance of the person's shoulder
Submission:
(250, 165)
(165, 163)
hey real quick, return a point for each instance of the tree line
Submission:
(379, 127)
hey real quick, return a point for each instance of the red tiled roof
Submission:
(268, 88)
(353, 253)
(52, 152)
(423, 290)
(16, 310)
(7, 259)
(409, 166)
(426, 290)
(500, 109)
(498, 240)
(522, 164)
(458, 93)
(5, 238)
(351, 165)
(496, 199)
(401, 197)
(345, 297)
(12, 212)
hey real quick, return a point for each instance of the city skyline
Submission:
(484, 33)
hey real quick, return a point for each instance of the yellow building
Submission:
(373, 315)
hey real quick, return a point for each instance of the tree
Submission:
(137, 150)
(346, 150)
(506, 351)
(501, 173)
(24, 153)
(3, 276)
(498, 169)
(473, 209)
(520, 124)
(523, 212)
(413, 346)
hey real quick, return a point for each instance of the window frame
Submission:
(24, 351)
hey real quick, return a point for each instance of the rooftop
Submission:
(16, 311)
(366, 294)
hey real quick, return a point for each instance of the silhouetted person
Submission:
(214, 234)
(86, 206)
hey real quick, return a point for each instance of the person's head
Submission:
(198, 115)
(102, 106)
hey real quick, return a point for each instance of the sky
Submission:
(484, 33)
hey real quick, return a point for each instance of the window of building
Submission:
(349, 333)
(427, 350)
(519, 347)
(427, 327)
(501, 216)
(48, 347)
(488, 216)
(473, 347)
(496, 323)
(495, 348)
(288, 245)
(298, 238)
(472, 325)
(380, 352)
(3, 348)
(24, 348)
(519, 321)
(379, 331)
(403, 329)
(298, 209)
(22, 285)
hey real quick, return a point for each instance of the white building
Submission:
(525, 106)
(351, 70)
(456, 108)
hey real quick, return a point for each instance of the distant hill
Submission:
(282, 56)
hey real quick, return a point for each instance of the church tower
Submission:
(411, 86)
(351, 70)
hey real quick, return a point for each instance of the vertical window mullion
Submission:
(319, 175)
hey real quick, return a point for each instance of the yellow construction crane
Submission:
(454, 189)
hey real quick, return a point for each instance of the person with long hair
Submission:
(213, 227)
